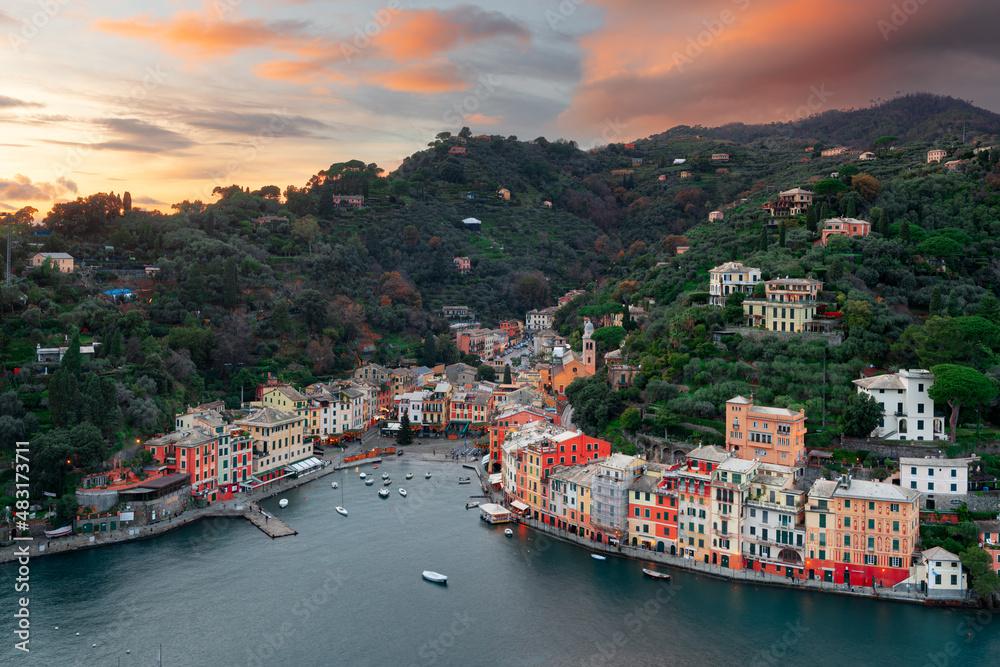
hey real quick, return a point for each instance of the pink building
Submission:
(845, 227)
(463, 264)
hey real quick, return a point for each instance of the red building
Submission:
(193, 452)
(511, 416)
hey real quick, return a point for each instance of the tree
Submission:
(611, 337)
(812, 219)
(859, 313)
(595, 404)
(66, 508)
(405, 436)
(279, 316)
(307, 229)
(904, 231)
(230, 283)
(882, 144)
(631, 420)
(954, 308)
(883, 224)
(781, 234)
(867, 186)
(430, 355)
(506, 374)
(127, 202)
(958, 386)
(72, 361)
(313, 307)
(666, 420)
(486, 372)
(935, 305)
(861, 415)
(982, 578)
(989, 308)
(829, 187)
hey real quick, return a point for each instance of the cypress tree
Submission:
(781, 234)
(852, 208)
(430, 349)
(72, 361)
(883, 223)
(506, 374)
(954, 310)
(812, 222)
(405, 436)
(935, 306)
(904, 231)
(764, 241)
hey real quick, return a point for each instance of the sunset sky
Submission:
(169, 98)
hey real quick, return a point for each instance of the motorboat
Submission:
(362, 475)
(409, 475)
(341, 510)
(374, 467)
(383, 493)
(435, 577)
(387, 482)
(464, 480)
(369, 481)
(283, 502)
(469, 506)
(427, 476)
(655, 575)
(59, 532)
(385, 475)
(508, 532)
(402, 492)
(334, 485)
(598, 557)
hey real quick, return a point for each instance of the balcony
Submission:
(777, 507)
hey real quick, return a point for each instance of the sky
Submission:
(168, 99)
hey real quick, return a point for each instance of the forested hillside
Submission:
(285, 280)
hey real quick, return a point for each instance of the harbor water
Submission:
(349, 591)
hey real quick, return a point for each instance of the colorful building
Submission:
(844, 227)
(989, 535)
(774, 531)
(789, 305)
(694, 489)
(907, 410)
(730, 278)
(770, 435)
(193, 452)
(612, 481)
(860, 532)
(278, 441)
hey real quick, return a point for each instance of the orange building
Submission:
(652, 511)
(771, 435)
(861, 533)
(989, 535)
(694, 487)
(511, 416)
(192, 452)
(844, 227)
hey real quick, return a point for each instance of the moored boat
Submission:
(464, 480)
(362, 475)
(387, 482)
(283, 502)
(341, 510)
(402, 492)
(508, 532)
(59, 532)
(469, 506)
(383, 493)
(334, 485)
(598, 557)
(435, 577)
(369, 481)
(655, 575)
(385, 475)
(427, 476)
(409, 475)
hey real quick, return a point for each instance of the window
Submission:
(954, 580)
(930, 486)
(847, 557)
(871, 506)
(822, 521)
(847, 503)
(822, 554)
(871, 560)
(871, 544)
(895, 544)
(871, 524)
(847, 540)
(954, 473)
(847, 522)
(937, 579)
(920, 408)
(895, 561)
(895, 526)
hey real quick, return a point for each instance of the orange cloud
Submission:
(439, 77)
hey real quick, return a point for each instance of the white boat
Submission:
(402, 492)
(427, 476)
(598, 557)
(387, 482)
(341, 510)
(508, 532)
(409, 475)
(471, 505)
(334, 485)
(464, 480)
(59, 532)
(655, 575)
(383, 493)
(369, 481)
(283, 502)
(385, 475)
(435, 577)
(362, 475)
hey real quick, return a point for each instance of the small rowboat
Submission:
(283, 502)
(59, 532)
(655, 575)
(435, 577)
(598, 557)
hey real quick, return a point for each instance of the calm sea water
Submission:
(348, 591)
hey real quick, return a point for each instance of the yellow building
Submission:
(789, 305)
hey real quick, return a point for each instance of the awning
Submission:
(304, 465)
(486, 460)
(519, 506)
(496, 478)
